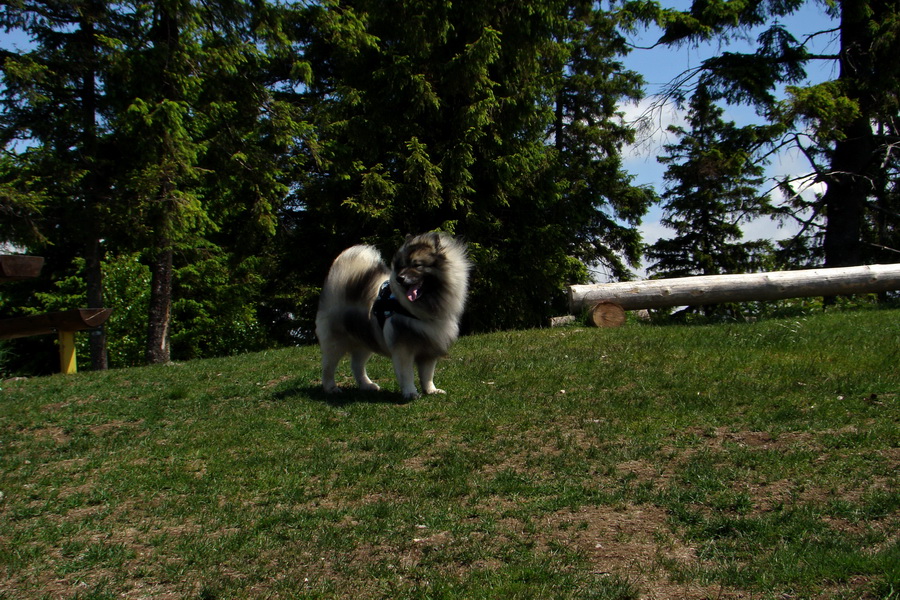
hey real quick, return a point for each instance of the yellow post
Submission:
(67, 361)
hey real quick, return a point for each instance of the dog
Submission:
(409, 312)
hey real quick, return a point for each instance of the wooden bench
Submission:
(64, 323)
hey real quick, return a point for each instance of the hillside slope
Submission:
(641, 462)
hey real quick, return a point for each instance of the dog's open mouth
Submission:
(412, 294)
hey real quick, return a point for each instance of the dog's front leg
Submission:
(404, 368)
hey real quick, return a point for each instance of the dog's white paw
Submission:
(435, 391)
(369, 387)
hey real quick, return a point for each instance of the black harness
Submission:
(387, 305)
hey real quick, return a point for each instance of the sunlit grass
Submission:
(667, 461)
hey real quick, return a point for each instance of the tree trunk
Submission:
(92, 184)
(160, 314)
(848, 178)
(94, 280)
(165, 37)
(845, 198)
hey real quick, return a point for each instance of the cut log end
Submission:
(607, 314)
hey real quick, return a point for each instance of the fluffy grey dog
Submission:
(409, 312)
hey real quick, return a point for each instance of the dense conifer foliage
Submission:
(712, 190)
(197, 165)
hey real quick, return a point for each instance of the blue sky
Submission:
(660, 65)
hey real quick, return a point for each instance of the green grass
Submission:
(719, 461)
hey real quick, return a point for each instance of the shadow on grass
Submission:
(347, 395)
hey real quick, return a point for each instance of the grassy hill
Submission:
(720, 461)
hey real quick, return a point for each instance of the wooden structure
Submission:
(716, 289)
(606, 314)
(64, 323)
(14, 268)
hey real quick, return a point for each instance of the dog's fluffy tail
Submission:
(354, 279)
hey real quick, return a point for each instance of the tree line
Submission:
(196, 166)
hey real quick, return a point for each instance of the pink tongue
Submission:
(412, 294)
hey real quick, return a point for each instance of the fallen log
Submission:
(562, 321)
(716, 289)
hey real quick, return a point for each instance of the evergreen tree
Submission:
(443, 115)
(162, 122)
(713, 189)
(834, 124)
(601, 204)
(229, 295)
(53, 105)
(20, 202)
(210, 166)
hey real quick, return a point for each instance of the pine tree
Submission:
(158, 80)
(210, 150)
(443, 115)
(713, 182)
(834, 124)
(164, 121)
(601, 204)
(54, 107)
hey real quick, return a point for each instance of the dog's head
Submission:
(418, 266)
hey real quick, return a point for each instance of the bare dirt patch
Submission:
(633, 542)
(54, 434)
(116, 427)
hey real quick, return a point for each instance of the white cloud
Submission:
(792, 164)
(652, 229)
